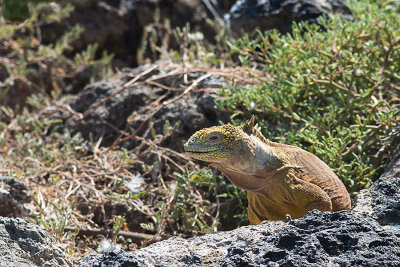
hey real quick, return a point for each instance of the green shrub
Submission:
(194, 204)
(332, 89)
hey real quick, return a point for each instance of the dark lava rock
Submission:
(111, 259)
(247, 15)
(386, 193)
(109, 109)
(102, 23)
(382, 200)
(14, 197)
(329, 239)
(3, 73)
(191, 259)
(27, 245)
(318, 239)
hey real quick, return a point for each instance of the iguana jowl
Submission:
(279, 179)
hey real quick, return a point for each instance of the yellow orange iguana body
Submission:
(280, 180)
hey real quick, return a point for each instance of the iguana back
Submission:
(315, 171)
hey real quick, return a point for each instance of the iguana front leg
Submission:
(308, 196)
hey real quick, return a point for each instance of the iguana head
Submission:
(220, 143)
(214, 144)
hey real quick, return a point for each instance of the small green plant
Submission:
(118, 224)
(101, 67)
(188, 206)
(236, 213)
(53, 215)
(20, 10)
(192, 205)
(195, 201)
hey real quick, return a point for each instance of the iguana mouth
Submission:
(200, 151)
(206, 155)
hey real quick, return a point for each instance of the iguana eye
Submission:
(213, 137)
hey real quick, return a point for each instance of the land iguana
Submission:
(280, 179)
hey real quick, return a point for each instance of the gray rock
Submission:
(317, 239)
(14, 197)
(247, 15)
(207, 249)
(382, 200)
(27, 245)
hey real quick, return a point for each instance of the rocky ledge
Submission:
(382, 200)
(317, 239)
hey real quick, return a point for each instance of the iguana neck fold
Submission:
(252, 166)
(252, 157)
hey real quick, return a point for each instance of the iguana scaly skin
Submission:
(279, 179)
